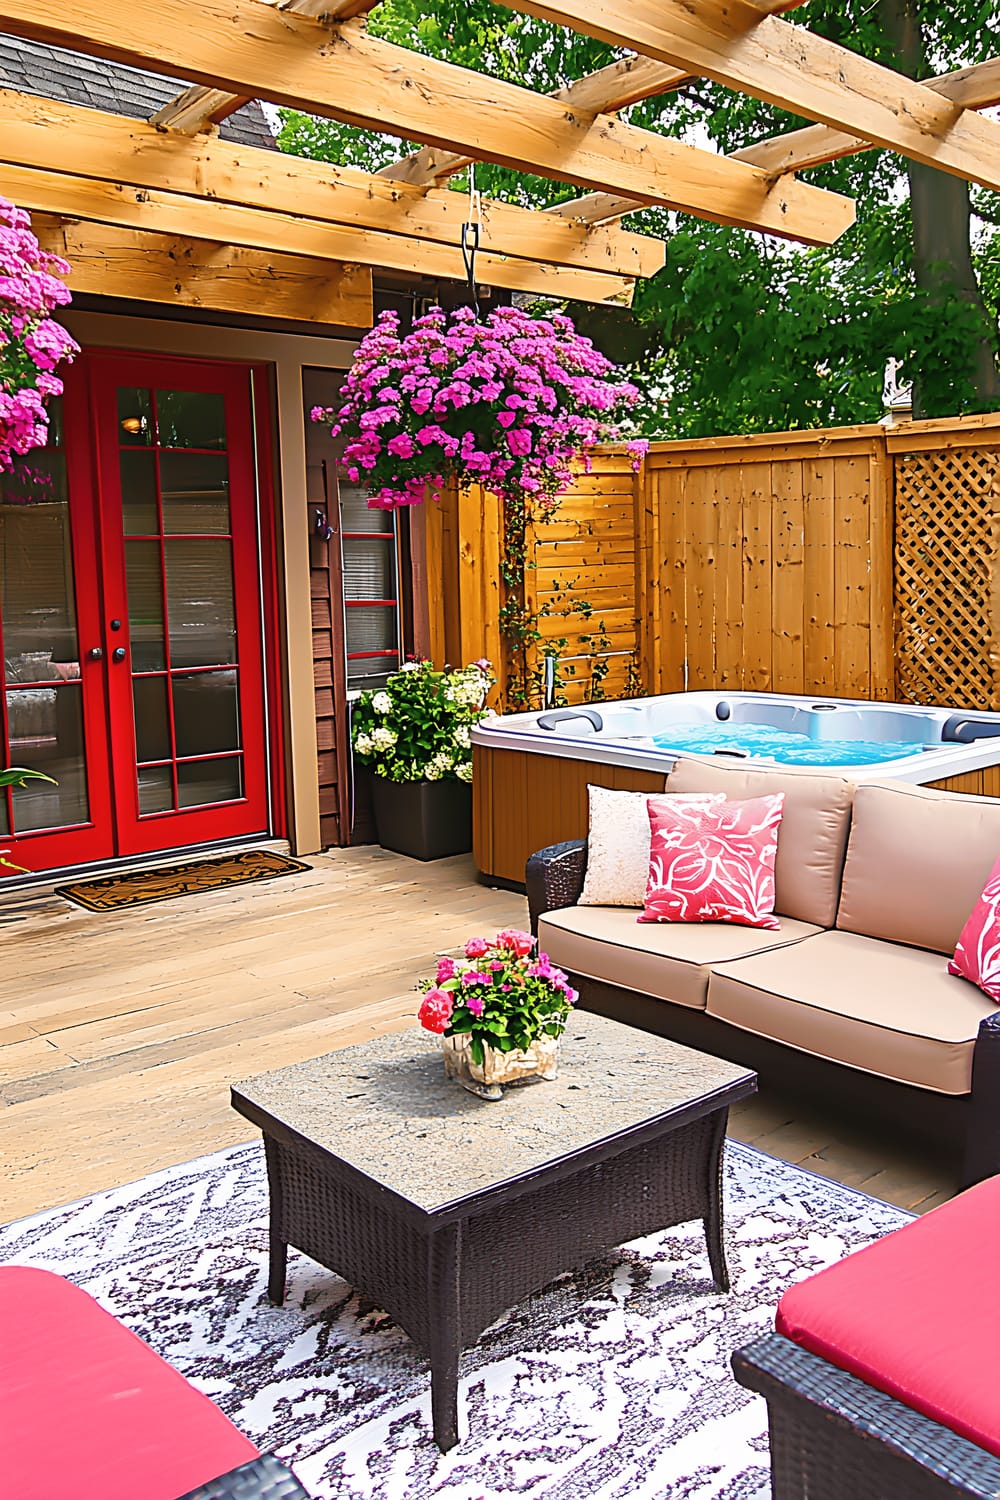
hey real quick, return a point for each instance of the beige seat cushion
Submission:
(668, 960)
(877, 1006)
(917, 862)
(812, 836)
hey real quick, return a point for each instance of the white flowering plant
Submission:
(419, 726)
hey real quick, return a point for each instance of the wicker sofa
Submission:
(852, 995)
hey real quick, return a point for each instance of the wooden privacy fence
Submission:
(855, 562)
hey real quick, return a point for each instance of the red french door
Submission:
(130, 599)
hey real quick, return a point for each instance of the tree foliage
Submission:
(740, 332)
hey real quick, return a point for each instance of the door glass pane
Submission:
(191, 419)
(201, 781)
(206, 713)
(145, 606)
(195, 489)
(355, 515)
(152, 718)
(135, 417)
(156, 789)
(46, 732)
(200, 610)
(138, 475)
(40, 670)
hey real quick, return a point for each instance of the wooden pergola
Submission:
(168, 198)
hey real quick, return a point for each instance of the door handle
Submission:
(118, 654)
(95, 653)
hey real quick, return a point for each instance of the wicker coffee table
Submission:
(445, 1210)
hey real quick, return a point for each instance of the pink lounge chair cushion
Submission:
(916, 1315)
(90, 1411)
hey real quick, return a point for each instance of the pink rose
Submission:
(435, 1012)
(476, 947)
(475, 1004)
(446, 969)
(521, 942)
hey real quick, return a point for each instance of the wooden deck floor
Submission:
(120, 1033)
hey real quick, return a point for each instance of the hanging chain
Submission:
(471, 236)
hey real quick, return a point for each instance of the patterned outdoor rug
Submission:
(613, 1384)
(137, 887)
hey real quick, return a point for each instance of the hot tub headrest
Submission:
(812, 837)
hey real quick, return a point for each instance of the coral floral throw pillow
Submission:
(713, 864)
(977, 956)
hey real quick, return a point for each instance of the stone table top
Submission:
(386, 1108)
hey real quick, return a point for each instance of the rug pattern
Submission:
(611, 1384)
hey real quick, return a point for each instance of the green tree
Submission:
(742, 333)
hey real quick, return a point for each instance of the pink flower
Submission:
(476, 947)
(435, 1012)
(446, 969)
(476, 1004)
(512, 937)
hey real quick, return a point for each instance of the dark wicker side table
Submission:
(446, 1210)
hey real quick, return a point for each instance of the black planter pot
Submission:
(425, 819)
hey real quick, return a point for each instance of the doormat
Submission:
(612, 1383)
(193, 877)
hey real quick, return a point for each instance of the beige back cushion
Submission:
(916, 864)
(812, 835)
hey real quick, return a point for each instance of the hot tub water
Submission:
(782, 745)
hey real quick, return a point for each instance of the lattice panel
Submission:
(946, 562)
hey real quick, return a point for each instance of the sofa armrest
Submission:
(982, 1144)
(826, 1424)
(554, 877)
(264, 1478)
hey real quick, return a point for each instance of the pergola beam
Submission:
(730, 42)
(196, 109)
(179, 271)
(262, 53)
(169, 213)
(977, 87)
(59, 137)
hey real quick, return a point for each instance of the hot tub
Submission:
(532, 769)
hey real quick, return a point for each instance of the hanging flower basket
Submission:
(31, 343)
(508, 402)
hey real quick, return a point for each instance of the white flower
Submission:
(464, 771)
(463, 737)
(362, 744)
(383, 738)
(410, 666)
(432, 772)
(382, 703)
(442, 761)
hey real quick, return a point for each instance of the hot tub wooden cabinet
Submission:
(530, 784)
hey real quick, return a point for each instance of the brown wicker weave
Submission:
(832, 1435)
(444, 1274)
(969, 1123)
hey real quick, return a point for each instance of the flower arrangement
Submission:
(31, 343)
(506, 402)
(418, 727)
(505, 996)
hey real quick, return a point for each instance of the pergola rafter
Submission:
(732, 43)
(255, 51)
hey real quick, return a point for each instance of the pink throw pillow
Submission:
(977, 955)
(713, 864)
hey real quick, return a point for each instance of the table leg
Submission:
(443, 1284)
(713, 1219)
(276, 1270)
(277, 1245)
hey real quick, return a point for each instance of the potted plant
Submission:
(31, 342)
(499, 1013)
(17, 776)
(507, 402)
(414, 735)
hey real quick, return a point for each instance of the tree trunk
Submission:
(942, 256)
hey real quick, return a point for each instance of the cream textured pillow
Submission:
(618, 843)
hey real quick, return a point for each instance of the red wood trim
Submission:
(264, 423)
